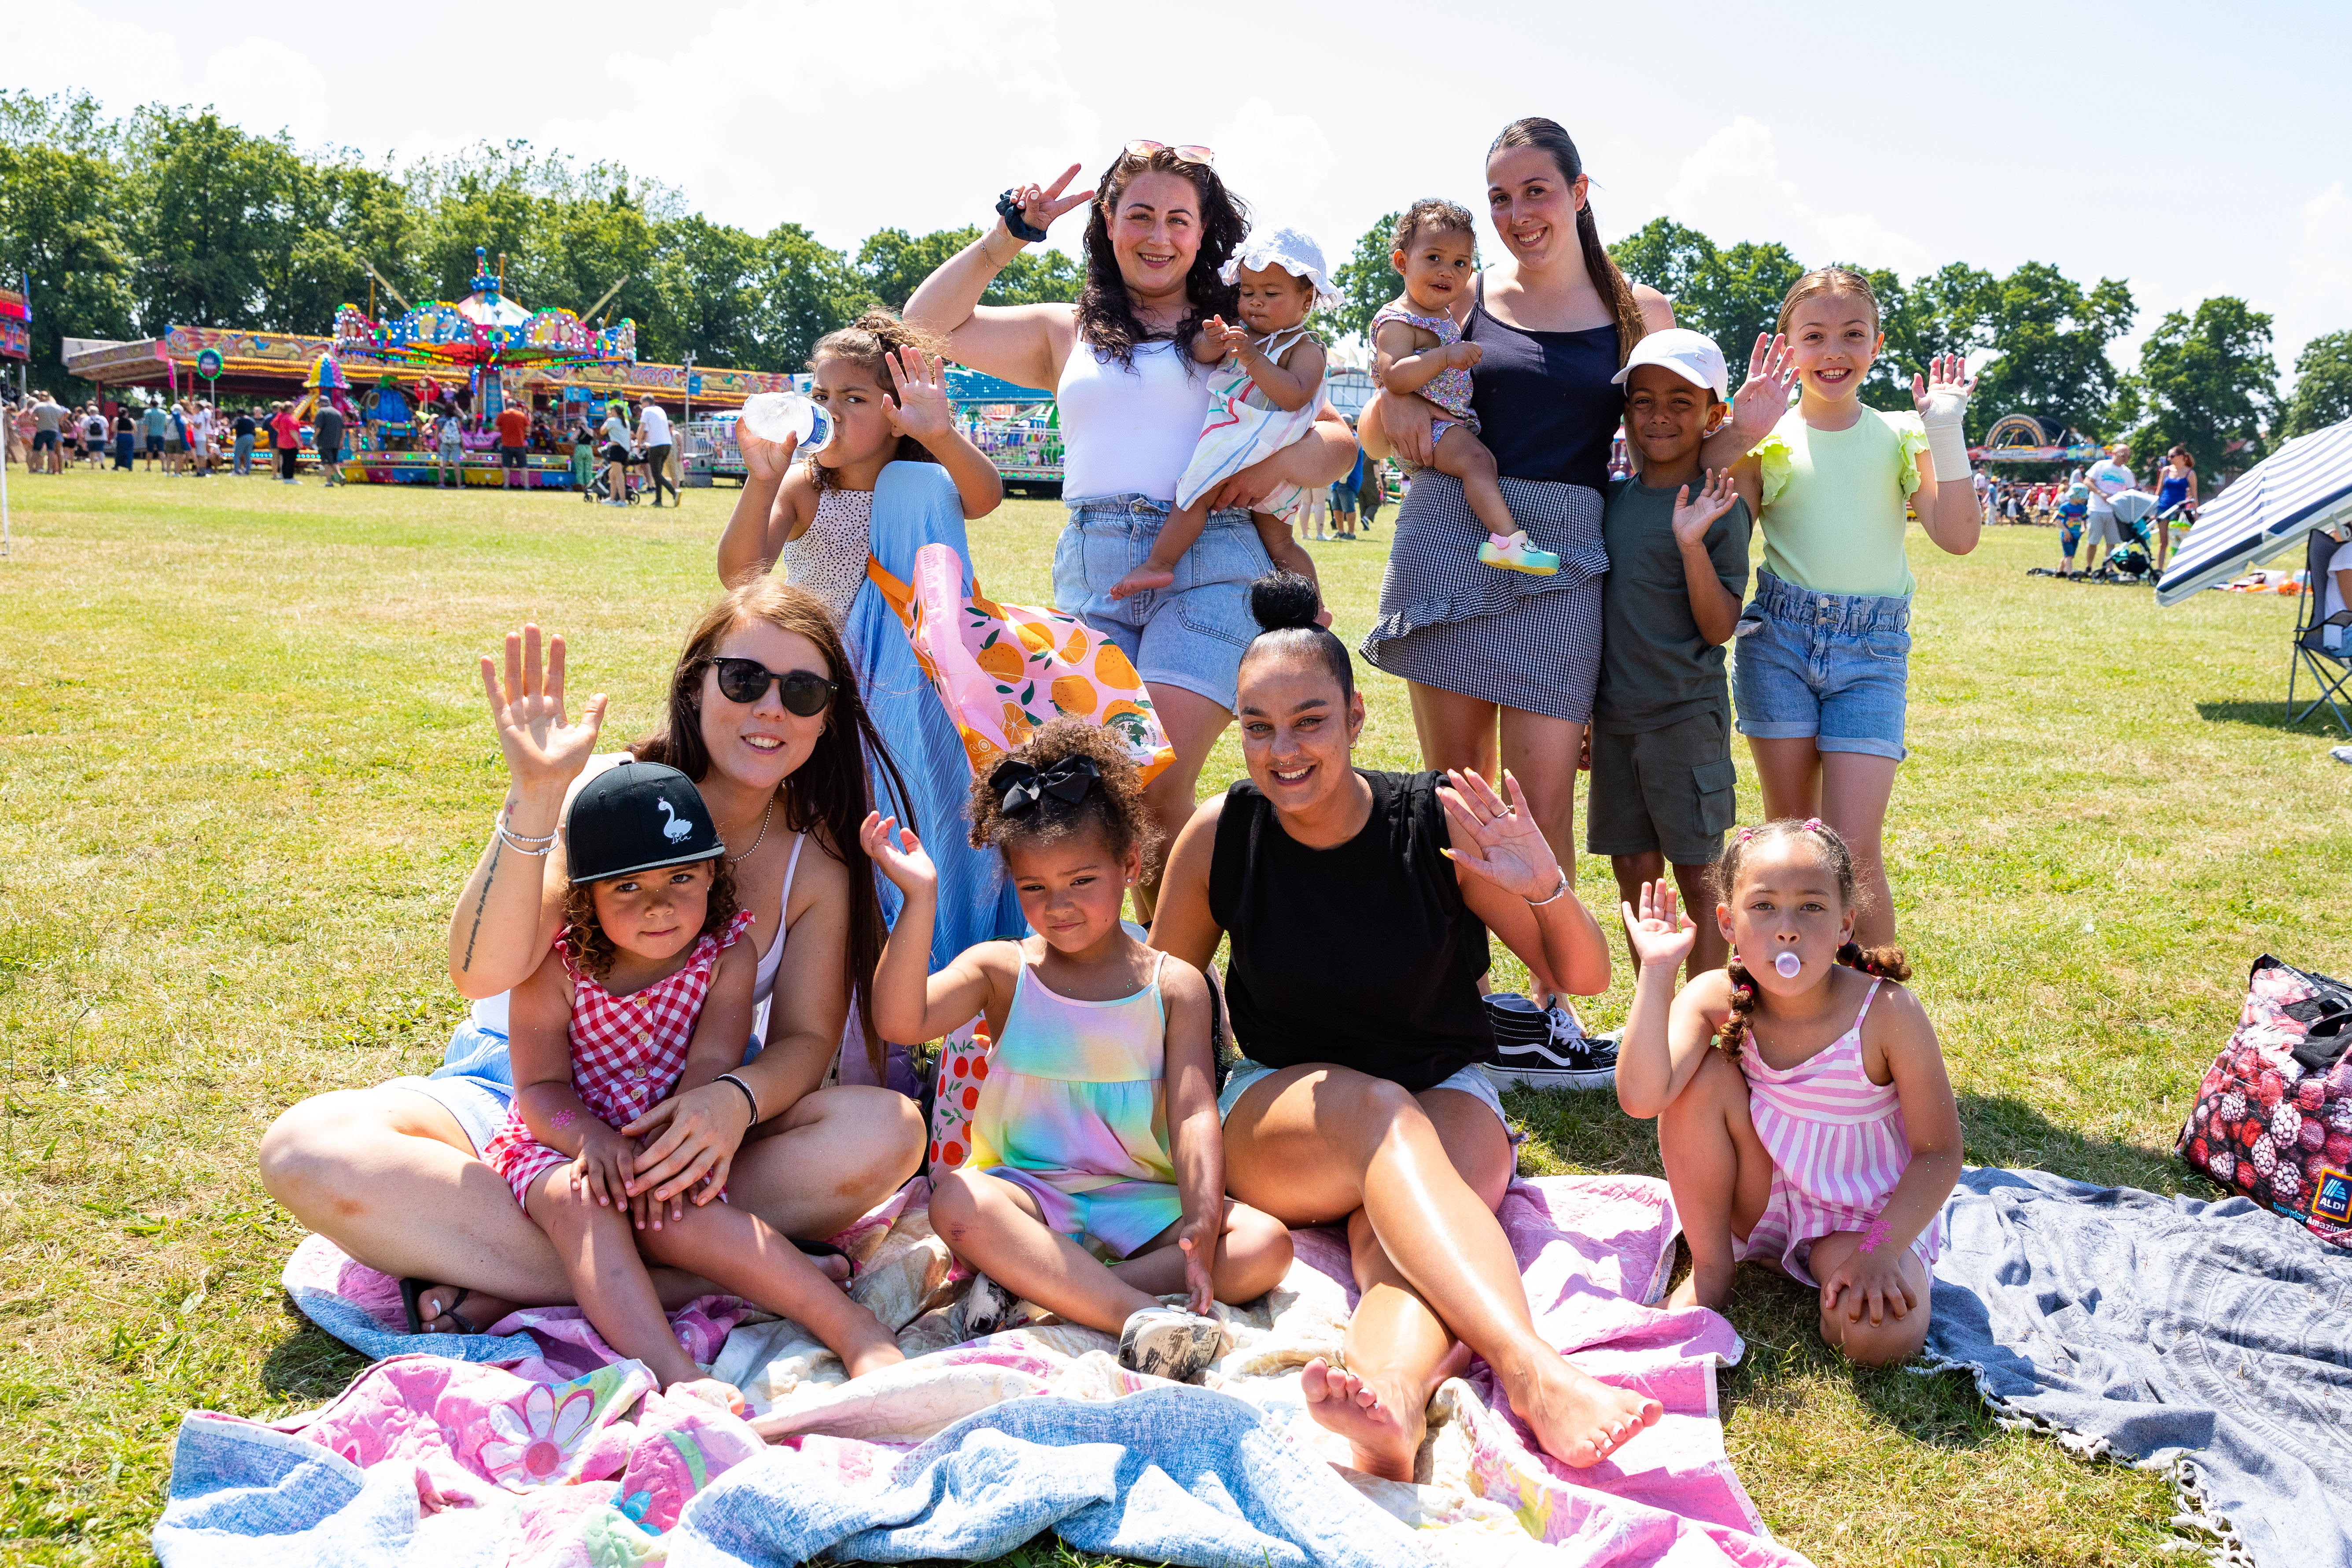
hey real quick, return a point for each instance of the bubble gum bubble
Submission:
(1787, 963)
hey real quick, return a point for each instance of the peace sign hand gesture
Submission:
(1040, 205)
(544, 751)
(920, 409)
(1763, 398)
(1509, 850)
(1945, 391)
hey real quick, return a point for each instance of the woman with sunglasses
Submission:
(1131, 400)
(765, 716)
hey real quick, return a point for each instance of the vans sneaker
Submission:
(988, 1308)
(1167, 1342)
(1544, 1047)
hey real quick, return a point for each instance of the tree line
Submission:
(169, 217)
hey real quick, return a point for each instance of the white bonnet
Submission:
(1291, 249)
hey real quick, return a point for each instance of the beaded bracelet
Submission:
(534, 844)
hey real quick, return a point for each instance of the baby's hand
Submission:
(1461, 356)
(901, 857)
(1660, 933)
(1231, 337)
(1692, 518)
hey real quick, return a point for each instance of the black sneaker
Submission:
(1544, 1047)
(988, 1308)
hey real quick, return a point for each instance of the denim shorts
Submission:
(474, 1083)
(1833, 668)
(1471, 1081)
(1190, 634)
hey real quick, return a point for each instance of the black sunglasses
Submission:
(745, 680)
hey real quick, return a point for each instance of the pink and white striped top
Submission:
(1837, 1147)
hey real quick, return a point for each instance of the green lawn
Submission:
(245, 766)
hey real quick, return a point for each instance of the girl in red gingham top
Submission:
(645, 993)
(1804, 1114)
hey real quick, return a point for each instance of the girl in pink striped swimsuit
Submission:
(1819, 1137)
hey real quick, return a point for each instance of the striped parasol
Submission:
(2305, 485)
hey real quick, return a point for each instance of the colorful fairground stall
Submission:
(395, 381)
(1017, 427)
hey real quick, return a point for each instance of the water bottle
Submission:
(778, 416)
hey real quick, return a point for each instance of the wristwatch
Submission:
(1017, 225)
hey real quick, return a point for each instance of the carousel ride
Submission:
(481, 353)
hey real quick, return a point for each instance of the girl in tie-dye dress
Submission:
(1819, 1137)
(1097, 1182)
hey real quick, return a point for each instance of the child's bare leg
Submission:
(1718, 1172)
(1176, 536)
(599, 1248)
(1697, 884)
(1284, 550)
(1462, 454)
(998, 1229)
(1847, 1325)
(747, 1256)
(1253, 1254)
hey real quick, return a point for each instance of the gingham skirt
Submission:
(1530, 643)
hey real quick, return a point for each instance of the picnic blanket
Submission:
(2214, 1340)
(969, 1447)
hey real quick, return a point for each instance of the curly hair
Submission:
(1888, 962)
(1435, 214)
(1106, 319)
(1112, 808)
(867, 343)
(591, 950)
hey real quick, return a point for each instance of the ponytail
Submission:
(1547, 134)
(1886, 963)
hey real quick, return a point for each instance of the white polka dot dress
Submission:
(829, 557)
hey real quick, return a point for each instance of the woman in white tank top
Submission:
(392, 1174)
(1131, 400)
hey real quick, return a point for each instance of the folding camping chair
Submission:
(2330, 667)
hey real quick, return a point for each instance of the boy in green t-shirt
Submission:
(1677, 541)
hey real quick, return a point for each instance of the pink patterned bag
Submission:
(2273, 1117)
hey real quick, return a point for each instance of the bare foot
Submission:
(1143, 577)
(1576, 1419)
(454, 1309)
(1384, 1438)
(710, 1391)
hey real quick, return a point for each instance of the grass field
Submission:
(244, 766)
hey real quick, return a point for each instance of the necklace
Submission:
(738, 860)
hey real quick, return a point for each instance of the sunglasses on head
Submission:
(1184, 154)
(804, 692)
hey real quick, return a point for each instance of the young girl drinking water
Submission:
(1417, 347)
(645, 993)
(1821, 673)
(1095, 1136)
(1263, 400)
(1804, 1115)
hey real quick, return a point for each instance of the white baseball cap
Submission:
(1689, 354)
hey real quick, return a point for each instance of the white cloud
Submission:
(1730, 189)
(2319, 271)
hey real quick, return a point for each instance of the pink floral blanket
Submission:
(566, 1457)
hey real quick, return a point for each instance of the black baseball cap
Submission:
(637, 816)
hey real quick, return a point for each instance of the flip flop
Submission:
(411, 1288)
(826, 1249)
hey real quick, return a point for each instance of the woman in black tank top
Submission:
(1342, 1109)
(1502, 666)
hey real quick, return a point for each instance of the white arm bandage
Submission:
(1948, 442)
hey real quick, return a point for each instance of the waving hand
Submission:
(541, 747)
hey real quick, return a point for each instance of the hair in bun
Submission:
(1285, 604)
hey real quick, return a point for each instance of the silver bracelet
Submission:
(1554, 895)
(510, 841)
(749, 1099)
(507, 830)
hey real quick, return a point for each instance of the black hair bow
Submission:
(1024, 787)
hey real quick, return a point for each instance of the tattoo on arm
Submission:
(489, 876)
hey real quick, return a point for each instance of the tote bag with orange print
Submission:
(1004, 671)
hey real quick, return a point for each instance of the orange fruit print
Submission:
(1112, 669)
(1075, 695)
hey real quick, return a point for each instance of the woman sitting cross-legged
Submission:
(764, 717)
(1362, 1099)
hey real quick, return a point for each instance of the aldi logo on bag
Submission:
(2331, 1199)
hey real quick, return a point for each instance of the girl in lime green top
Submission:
(1823, 671)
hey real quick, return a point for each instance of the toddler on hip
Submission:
(1417, 347)
(647, 993)
(1804, 1115)
(1262, 397)
(1096, 1186)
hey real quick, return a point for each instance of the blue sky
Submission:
(2189, 151)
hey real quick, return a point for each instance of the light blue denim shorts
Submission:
(1190, 634)
(474, 1083)
(1834, 669)
(1471, 1081)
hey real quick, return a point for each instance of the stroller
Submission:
(2130, 561)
